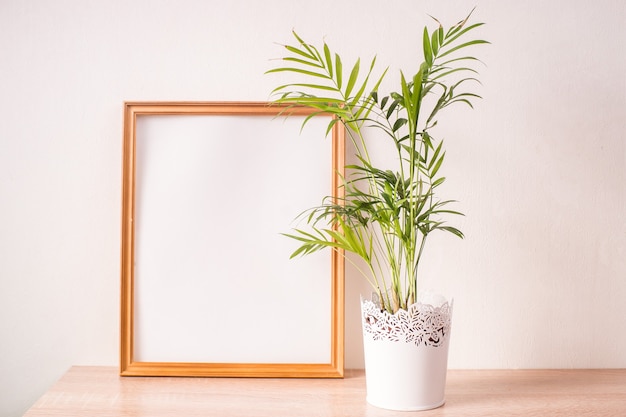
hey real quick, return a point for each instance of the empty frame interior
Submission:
(208, 288)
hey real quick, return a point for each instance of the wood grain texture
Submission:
(100, 392)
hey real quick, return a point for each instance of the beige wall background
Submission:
(539, 167)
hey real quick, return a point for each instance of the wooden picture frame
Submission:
(206, 288)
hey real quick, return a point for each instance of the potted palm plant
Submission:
(388, 213)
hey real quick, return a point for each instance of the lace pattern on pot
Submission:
(422, 324)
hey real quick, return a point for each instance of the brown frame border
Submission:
(128, 366)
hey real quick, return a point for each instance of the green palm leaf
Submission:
(386, 214)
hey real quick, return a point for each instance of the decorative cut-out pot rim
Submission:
(420, 324)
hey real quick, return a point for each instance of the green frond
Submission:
(464, 45)
(384, 215)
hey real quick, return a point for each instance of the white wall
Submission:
(539, 166)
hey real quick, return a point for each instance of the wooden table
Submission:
(99, 391)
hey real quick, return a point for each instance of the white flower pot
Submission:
(406, 355)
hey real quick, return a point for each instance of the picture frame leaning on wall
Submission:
(207, 286)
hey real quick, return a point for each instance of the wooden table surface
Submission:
(99, 391)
